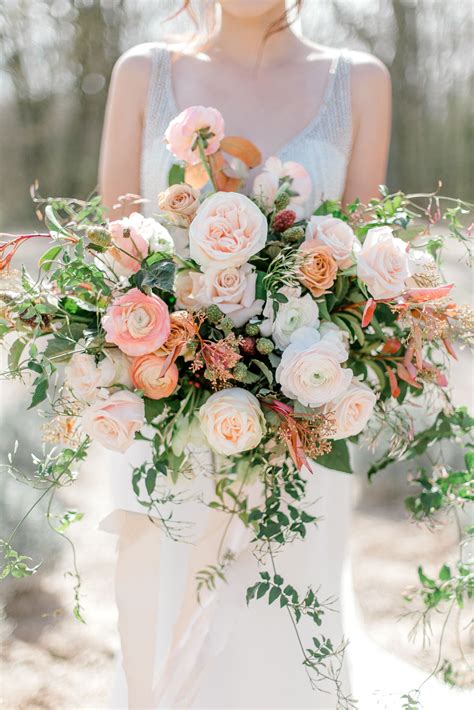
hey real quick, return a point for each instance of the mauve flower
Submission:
(183, 130)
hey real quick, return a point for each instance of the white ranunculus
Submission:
(382, 263)
(352, 409)
(232, 421)
(337, 235)
(227, 230)
(331, 329)
(83, 377)
(233, 290)
(113, 422)
(296, 313)
(114, 369)
(310, 369)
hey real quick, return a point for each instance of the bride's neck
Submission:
(245, 42)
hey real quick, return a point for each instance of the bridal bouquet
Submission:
(259, 327)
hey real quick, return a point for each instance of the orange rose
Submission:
(183, 329)
(149, 374)
(317, 269)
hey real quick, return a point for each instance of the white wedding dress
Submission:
(224, 654)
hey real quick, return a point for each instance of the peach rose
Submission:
(150, 375)
(317, 270)
(82, 377)
(310, 368)
(233, 290)
(232, 421)
(138, 324)
(337, 235)
(352, 410)
(183, 130)
(382, 263)
(180, 203)
(183, 330)
(267, 183)
(114, 422)
(227, 230)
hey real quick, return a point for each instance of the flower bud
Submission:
(265, 346)
(99, 236)
(213, 313)
(252, 329)
(282, 200)
(293, 234)
(226, 324)
(273, 250)
(239, 372)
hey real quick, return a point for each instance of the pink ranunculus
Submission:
(227, 230)
(382, 263)
(136, 323)
(336, 234)
(149, 375)
(233, 290)
(113, 422)
(183, 130)
(130, 243)
(352, 410)
(267, 183)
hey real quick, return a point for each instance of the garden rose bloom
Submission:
(150, 375)
(296, 313)
(82, 377)
(132, 238)
(227, 230)
(183, 329)
(138, 324)
(267, 183)
(317, 270)
(382, 263)
(232, 421)
(183, 130)
(113, 422)
(180, 203)
(114, 369)
(233, 290)
(352, 410)
(186, 285)
(337, 235)
(310, 369)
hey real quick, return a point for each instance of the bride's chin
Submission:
(248, 9)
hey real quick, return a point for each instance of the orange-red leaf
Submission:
(243, 149)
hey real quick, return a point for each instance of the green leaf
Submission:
(445, 573)
(14, 354)
(338, 458)
(260, 290)
(39, 395)
(150, 480)
(69, 517)
(274, 594)
(48, 257)
(160, 275)
(153, 408)
(265, 369)
(263, 588)
(52, 221)
(176, 174)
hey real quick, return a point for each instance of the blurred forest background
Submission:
(56, 57)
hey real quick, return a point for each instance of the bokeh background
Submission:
(56, 57)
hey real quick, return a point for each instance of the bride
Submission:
(329, 110)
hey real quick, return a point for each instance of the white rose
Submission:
(382, 263)
(83, 377)
(337, 235)
(310, 369)
(157, 236)
(233, 290)
(296, 313)
(232, 421)
(113, 422)
(114, 369)
(352, 410)
(227, 230)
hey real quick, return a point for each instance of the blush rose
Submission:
(382, 263)
(183, 130)
(113, 422)
(335, 234)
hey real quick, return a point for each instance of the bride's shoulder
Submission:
(369, 76)
(133, 68)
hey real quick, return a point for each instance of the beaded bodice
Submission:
(322, 147)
